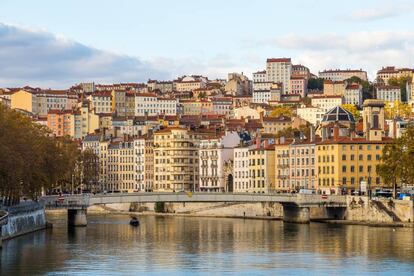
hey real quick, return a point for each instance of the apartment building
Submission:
(386, 73)
(222, 106)
(241, 169)
(334, 88)
(279, 70)
(275, 124)
(298, 86)
(341, 75)
(388, 93)
(353, 94)
(214, 152)
(176, 158)
(121, 174)
(326, 103)
(311, 114)
(262, 169)
(149, 104)
(102, 102)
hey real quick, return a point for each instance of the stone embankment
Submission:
(360, 210)
(22, 219)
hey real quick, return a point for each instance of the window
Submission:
(352, 168)
(361, 168)
(360, 157)
(344, 181)
(343, 169)
(343, 157)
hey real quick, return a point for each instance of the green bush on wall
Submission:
(159, 207)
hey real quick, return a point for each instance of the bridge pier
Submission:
(295, 214)
(77, 217)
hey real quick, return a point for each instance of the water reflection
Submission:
(180, 245)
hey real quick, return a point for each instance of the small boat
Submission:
(134, 221)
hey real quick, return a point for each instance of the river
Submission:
(208, 246)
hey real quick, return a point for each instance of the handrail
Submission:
(4, 218)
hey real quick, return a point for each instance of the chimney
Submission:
(336, 132)
(311, 134)
(258, 140)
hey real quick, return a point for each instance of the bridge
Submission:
(295, 206)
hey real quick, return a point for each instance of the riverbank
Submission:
(24, 218)
(256, 211)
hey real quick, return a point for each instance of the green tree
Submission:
(396, 167)
(402, 83)
(31, 159)
(315, 83)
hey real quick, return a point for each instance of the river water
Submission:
(208, 246)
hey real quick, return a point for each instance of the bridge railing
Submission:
(67, 201)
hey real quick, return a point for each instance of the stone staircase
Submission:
(382, 208)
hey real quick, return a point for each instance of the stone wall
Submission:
(379, 210)
(24, 219)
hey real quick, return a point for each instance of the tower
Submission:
(374, 119)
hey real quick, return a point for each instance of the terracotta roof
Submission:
(279, 60)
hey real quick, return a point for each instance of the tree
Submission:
(367, 87)
(397, 109)
(281, 110)
(315, 83)
(396, 167)
(31, 160)
(353, 109)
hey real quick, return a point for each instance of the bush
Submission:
(159, 207)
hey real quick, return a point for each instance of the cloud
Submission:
(367, 50)
(383, 10)
(37, 57)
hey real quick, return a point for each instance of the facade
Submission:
(345, 164)
(222, 106)
(341, 75)
(61, 122)
(279, 70)
(102, 102)
(386, 73)
(275, 124)
(213, 154)
(353, 94)
(121, 174)
(241, 169)
(311, 114)
(262, 169)
(326, 103)
(298, 86)
(302, 164)
(149, 104)
(334, 88)
(176, 158)
(300, 71)
(388, 93)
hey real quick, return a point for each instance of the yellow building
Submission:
(176, 160)
(334, 88)
(348, 164)
(197, 107)
(262, 169)
(23, 100)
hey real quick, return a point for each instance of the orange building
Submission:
(60, 122)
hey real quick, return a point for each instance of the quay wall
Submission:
(23, 219)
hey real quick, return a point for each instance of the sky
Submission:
(49, 43)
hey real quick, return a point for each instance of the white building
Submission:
(388, 93)
(341, 75)
(278, 70)
(311, 114)
(213, 154)
(326, 103)
(150, 104)
(353, 94)
(241, 169)
(141, 183)
(302, 164)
